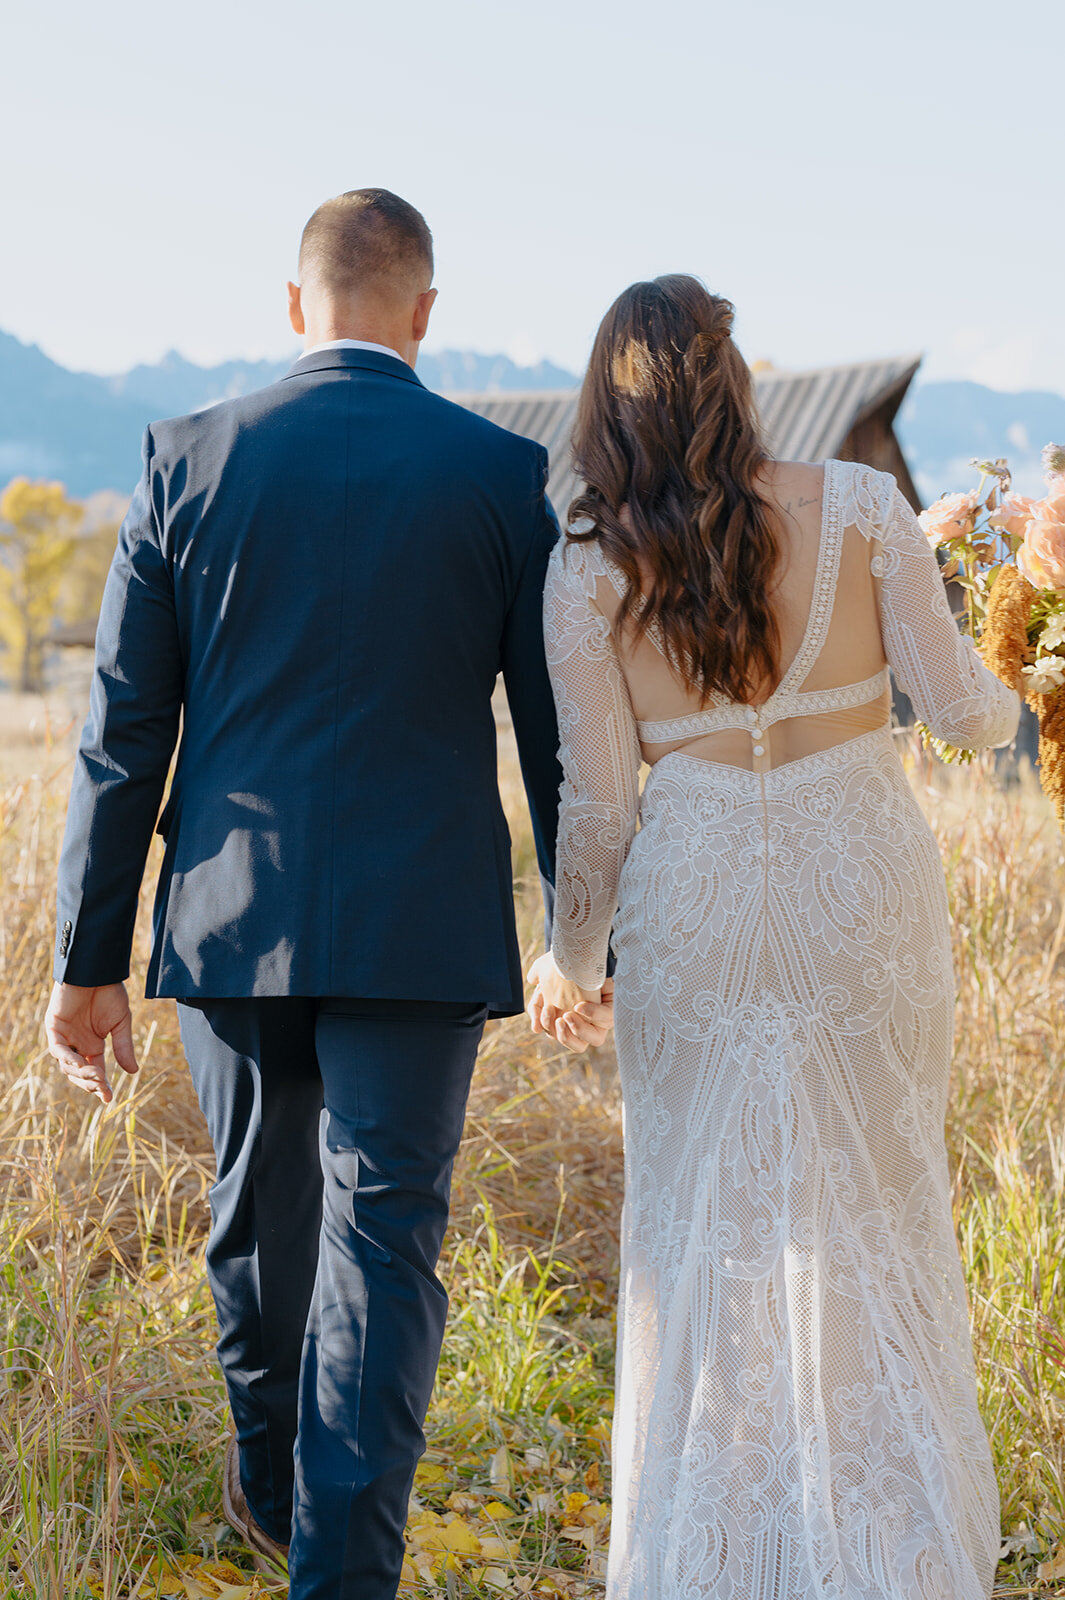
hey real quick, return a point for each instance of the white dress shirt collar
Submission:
(352, 344)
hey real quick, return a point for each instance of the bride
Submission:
(796, 1410)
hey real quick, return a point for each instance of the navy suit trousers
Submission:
(335, 1125)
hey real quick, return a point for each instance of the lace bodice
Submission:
(877, 592)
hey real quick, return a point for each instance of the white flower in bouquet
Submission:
(1045, 676)
(1054, 467)
(1053, 635)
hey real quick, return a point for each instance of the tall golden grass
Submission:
(113, 1416)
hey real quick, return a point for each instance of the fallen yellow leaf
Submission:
(497, 1511)
(460, 1537)
(497, 1549)
(1049, 1571)
(430, 1536)
(222, 1572)
(194, 1590)
(495, 1578)
(500, 1473)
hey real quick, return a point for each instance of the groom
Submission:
(316, 586)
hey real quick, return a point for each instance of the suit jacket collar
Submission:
(331, 360)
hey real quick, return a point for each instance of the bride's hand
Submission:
(558, 1007)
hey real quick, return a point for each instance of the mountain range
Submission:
(85, 429)
(942, 426)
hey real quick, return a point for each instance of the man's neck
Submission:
(353, 344)
(373, 333)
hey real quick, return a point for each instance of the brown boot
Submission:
(267, 1554)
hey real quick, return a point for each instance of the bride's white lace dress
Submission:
(796, 1410)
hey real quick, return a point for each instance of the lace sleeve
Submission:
(952, 690)
(600, 756)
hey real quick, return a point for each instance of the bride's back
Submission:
(824, 602)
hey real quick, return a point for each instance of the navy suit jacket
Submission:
(317, 584)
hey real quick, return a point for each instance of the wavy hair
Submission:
(669, 448)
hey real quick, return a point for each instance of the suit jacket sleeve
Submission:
(532, 705)
(125, 752)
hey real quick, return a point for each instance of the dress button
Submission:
(759, 749)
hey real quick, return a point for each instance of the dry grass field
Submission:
(113, 1416)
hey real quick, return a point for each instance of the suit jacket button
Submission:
(68, 927)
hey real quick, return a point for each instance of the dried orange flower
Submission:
(1004, 645)
(1050, 709)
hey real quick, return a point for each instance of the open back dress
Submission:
(796, 1413)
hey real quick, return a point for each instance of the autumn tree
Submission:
(86, 573)
(38, 524)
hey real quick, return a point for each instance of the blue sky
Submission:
(861, 180)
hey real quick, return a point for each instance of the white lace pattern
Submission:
(796, 1415)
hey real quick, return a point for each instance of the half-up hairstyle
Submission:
(669, 448)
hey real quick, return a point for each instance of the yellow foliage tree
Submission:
(83, 582)
(37, 528)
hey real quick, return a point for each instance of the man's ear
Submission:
(295, 310)
(422, 307)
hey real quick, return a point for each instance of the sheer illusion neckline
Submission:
(821, 597)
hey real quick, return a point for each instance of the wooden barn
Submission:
(847, 413)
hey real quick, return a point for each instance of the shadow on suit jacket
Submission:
(318, 584)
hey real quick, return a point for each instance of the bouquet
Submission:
(1007, 553)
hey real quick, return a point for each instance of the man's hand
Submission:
(78, 1024)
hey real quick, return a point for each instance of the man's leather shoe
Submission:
(268, 1554)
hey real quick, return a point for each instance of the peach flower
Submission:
(1014, 514)
(951, 517)
(1042, 555)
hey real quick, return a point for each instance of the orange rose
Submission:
(1014, 514)
(1042, 555)
(951, 517)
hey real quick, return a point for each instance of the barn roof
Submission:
(807, 416)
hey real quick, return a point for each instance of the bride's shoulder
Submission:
(577, 561)
(864, 497)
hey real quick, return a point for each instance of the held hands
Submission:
(78, 1023)
(575, 1017)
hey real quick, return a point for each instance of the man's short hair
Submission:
(367, 241)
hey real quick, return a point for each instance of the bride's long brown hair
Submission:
(669, 448)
